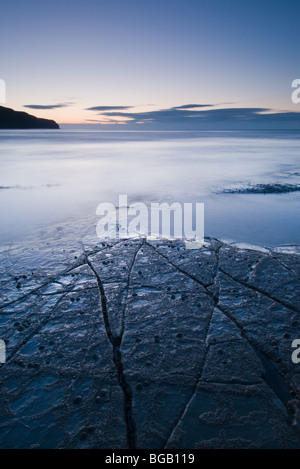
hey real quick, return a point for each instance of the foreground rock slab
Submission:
(145, 344)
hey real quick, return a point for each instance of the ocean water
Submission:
(48, 178)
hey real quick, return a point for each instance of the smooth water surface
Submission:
(53, 177)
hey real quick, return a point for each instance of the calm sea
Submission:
(48, 178)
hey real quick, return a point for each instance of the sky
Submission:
(152, 64)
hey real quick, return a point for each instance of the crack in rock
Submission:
(117, 356)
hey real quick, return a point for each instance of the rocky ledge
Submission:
(145, 344)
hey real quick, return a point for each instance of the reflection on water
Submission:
(48, 177)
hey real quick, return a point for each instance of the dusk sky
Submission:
(160, 58)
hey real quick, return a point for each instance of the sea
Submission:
(249, 182)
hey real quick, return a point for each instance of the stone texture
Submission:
(139, 343)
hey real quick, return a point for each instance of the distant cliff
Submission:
(10, 119)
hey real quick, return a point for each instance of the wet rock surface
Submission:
(145, 344)
(263, 189)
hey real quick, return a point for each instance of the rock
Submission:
(150, 345)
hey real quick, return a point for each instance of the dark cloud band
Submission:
(45, 106)
(108, 108)
(184, 117)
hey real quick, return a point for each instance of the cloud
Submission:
(175, 113)
(46, 106)
(108, 108)
(192, 106)
(93, 120)
(105, 122)
(187, 118)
